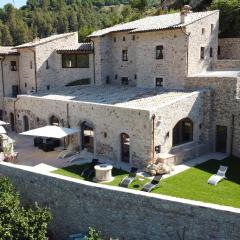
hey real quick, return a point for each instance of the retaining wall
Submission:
(122, 213)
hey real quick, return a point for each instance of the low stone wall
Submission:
(121, 213)
(226, 64)
(229, 48)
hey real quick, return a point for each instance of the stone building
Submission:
(153, 89)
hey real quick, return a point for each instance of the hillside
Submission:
(41, 18)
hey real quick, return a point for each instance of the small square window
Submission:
(203, 31)
(13, 66)
(159, 82)
(124, 81)
(124, 39)
(159, 52)
(133, 37)
(211, 52)
(125, 55)
(202, 52)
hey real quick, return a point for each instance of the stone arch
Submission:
(55, 121)
(87, 136)
(182, 132)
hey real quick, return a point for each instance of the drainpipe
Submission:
(187, 35)
(232, 134)
(3, 86)
(94, 74)
(15, 112)
(153, 136)
(35, 68)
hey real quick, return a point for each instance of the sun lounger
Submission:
(148, 187)
(130, 178)
(214, 179)
(66, 153)
(88, 172)
(76, 157)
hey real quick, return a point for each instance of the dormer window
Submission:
(13, 66)
(125, 55)
(159, 52)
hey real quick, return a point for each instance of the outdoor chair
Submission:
(88, 172)
(130, 178)
(148, 187)
(37, 141)
(55, 141)
(47, 147)
(214, 179)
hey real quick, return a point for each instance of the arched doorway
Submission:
(87, 137)
(12, 121)
(125, 147)
(25, 123)
(183, 132)
(54, 121)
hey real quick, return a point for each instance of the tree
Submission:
(229, 17)
(93, 234)
(139, 4)
(16, 222)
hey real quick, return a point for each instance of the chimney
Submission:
(184, 12)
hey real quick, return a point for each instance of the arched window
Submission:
(87, 137)
(25, 123)
(183, 132)
(54, 121)
(125, 147)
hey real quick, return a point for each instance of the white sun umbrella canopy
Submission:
(2, 123)
(2, 130)
(51, 132)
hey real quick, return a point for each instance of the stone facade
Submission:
(121, 213)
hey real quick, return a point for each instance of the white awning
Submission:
(2, 130)
(2, 123)
(51, 132)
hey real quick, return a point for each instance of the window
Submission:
(31, 65)
(203, 31)
(219, 50)
(183, 132)
(133, 37)
(212, 27)
(47, 65)
(107, 80)
(116, 76)
(124, 39)
(135, 76)
(54, 121)
(211, 52)
(25, 85)
(124, 81)
(48, 87)
(114, 39)
(13, 66)
(75, 60)
(125, 55)
(202, 53)
(159, 82)
(159, 52)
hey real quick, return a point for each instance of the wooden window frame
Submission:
(76, 62)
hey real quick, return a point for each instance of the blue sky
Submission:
(16, 3)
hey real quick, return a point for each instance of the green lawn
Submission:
(190, 184)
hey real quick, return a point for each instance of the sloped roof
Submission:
(7, 51)
(39, 41)
(154, 23)
(77, 48)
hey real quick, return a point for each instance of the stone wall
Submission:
(201, 35)
(10, 78)
(108, 122)
(226, 64)
(229, 48)
(121, 213)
